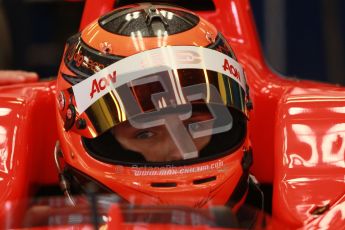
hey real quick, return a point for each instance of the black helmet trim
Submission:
(222, 46)
(85, 61)
(72, 79)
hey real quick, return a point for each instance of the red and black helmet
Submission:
(151, 105)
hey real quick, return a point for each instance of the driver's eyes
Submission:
(144, 135)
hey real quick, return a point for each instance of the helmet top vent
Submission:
(148, 20)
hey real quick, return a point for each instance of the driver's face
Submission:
(156, 144)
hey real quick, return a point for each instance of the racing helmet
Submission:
(151, 106)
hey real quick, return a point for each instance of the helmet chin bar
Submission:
(64, 184)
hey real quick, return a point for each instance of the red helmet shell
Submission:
(198, 184)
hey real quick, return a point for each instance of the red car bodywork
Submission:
(297, 130)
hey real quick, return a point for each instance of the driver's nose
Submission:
(173, 153)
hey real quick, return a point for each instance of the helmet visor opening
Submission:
(173, 106)
(143, 147)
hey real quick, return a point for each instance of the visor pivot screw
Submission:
(81, 123)
(70, 116)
